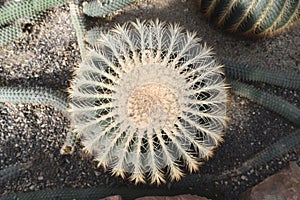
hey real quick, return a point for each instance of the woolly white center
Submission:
(153, 105)
(149, 97)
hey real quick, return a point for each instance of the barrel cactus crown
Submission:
(252, 17)
(147, 99)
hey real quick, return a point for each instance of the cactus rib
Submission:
(252, 17)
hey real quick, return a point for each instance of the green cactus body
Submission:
(35, 95)
(13, 171)
(104, 7)
(252, 17)
(24, 8)
(10, 33)
(79, 25)
(254, 73)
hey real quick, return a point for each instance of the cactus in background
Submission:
(37, 95)
(272, 102)
(13, 171)
(239, 72)
(15, 14)
(16, 10)
(10, 33)
(102, 8)
(79, 25)
(146, 97)
(244, 72)
(94, 8)
(252, 17)
(14, 31)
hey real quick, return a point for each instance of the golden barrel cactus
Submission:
(147, 99)
(252, 17)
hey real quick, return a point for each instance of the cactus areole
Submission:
(148, 99)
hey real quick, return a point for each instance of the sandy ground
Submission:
(48, 55)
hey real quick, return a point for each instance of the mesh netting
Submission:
(148, 98)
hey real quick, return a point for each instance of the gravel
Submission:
(48, 55)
